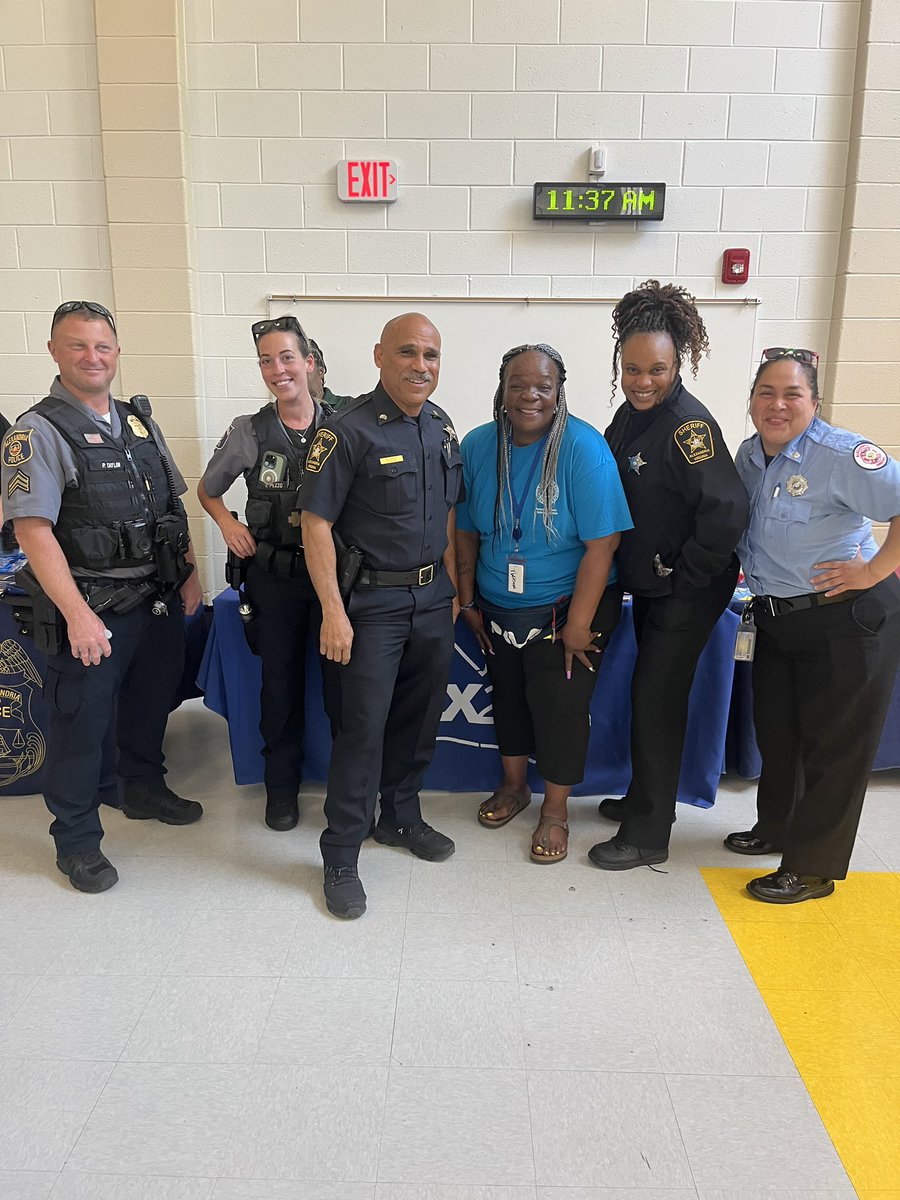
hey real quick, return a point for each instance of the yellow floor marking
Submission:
(829, 972)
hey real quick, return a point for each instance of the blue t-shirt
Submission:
(590, 504)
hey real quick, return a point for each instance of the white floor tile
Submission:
(197, 1019)
(13, 991)
(452, 1191)
(26, 1185)
(586, 1027)
(329, 1022)
(593, 1128)
(162, 1119)
(88, 1185)
(734, 1133)
(225, 942)
(453, 1023)
(438, 946)
(456, 1140)
(77, 1016)
(325, 947)
(281, 1189)
(478, 887)
(114, 940)
(566, 888)
(684, 950)
(576, 949)
(318, 1123)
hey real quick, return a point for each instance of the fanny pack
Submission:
(519, 626)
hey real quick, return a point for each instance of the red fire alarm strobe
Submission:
(735, 266)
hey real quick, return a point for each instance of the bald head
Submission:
(409, 358)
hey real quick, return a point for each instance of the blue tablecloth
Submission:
(466, 758)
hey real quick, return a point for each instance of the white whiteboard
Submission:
(476, 333)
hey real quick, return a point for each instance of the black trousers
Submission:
(822, 683)
(287, 614)
(385, 706)
(536, 709)
(671, 632)
(107, 722)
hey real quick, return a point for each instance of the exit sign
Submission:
(367, 179)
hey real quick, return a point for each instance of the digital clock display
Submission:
(599, 201)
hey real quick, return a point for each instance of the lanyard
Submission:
(518, 502)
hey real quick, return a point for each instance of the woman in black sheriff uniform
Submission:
(689, 508)
(269, 449)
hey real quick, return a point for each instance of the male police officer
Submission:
(89, 484)
(385, 472)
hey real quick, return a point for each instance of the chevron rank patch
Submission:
(20, 482)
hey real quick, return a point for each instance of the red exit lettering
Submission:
(367, 179)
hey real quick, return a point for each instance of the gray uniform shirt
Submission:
(52, 467)
(238, 451)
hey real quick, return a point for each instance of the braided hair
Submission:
(547, 489)
(660, 308)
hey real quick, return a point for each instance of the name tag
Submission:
(515, 576)
(392, 459)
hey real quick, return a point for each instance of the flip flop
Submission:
(538, 853)
(522, 800)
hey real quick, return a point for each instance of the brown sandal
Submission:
(485, 811)
(541, 853)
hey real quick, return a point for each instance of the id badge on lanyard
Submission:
(515, 562)
(745, 638)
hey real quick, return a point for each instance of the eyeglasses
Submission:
(261, 328)
(71, 306)
(776, 352)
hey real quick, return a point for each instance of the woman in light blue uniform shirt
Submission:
(826, 610)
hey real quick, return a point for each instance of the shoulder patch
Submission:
(17, 447)
(224, 438)
(323, 444)
(866, 455)
(695, 441)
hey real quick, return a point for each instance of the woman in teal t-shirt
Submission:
(536, 535)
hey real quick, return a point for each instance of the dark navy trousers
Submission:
(385, 706)
(107, 722)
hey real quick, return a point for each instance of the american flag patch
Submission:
(94, 439)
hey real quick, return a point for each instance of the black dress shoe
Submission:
(344, 894)
(783, 887)
(282, 815)
(88, 871)
(748, 843)
(619, 856)
(159, 803)
(421, 840)
(613, 808)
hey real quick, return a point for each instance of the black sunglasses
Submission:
(776, 352)
(261, 328)
(72, 306)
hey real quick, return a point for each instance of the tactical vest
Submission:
(108, 519)
(273, 508)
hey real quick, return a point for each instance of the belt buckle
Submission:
(426, 574)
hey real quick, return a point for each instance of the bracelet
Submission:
(463, 607)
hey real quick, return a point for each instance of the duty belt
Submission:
(779, 606)
(417, 577)
(284, 562)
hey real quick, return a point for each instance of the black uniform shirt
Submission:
(387, 481)
(687, 500)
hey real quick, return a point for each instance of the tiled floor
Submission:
(490, 1030)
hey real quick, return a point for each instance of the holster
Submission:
(349, 564)
(35, 613)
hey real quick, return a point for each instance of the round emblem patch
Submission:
(869, 456)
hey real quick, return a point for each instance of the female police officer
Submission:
(826, 610)
(269, 449)
(689, 507)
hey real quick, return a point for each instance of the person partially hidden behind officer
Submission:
(318, 388)
(382, 477)
(94, 496)
(266, 554)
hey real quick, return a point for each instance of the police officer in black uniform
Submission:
(91, 488)
(384, 475)
(269, 449)
(689, 508)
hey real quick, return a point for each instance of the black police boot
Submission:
(619, 856)
(420, 839)
(88, 871)
(154, 801)
(344, 894)
(282, 815)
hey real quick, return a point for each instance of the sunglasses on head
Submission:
(72, 306)
(261, 328)
(804, 356)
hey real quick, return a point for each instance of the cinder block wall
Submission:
(206, 156)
